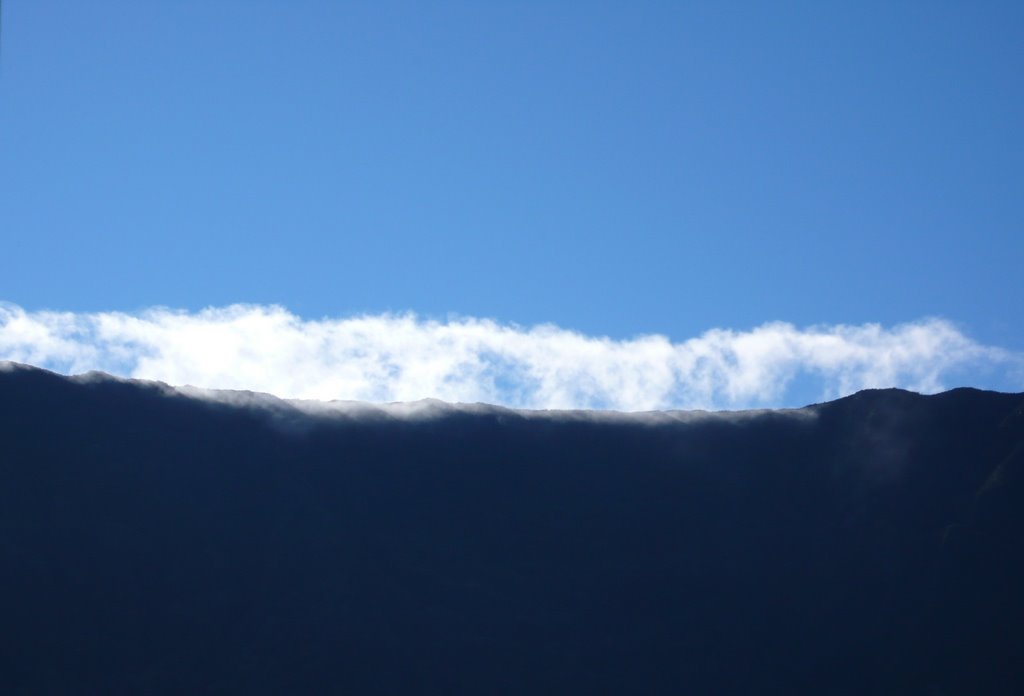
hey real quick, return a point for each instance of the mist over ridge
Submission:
(404, 357)
(433, 408)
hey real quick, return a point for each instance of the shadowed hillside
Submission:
(154, 543)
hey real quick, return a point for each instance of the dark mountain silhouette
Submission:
(154, 543)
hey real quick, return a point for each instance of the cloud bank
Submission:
(389, 357)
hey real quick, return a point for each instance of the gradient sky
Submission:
(614, 169)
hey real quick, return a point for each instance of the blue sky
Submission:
(612, 169)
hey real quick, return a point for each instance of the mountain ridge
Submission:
(212, 393)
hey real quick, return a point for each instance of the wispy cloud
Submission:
(403, 357)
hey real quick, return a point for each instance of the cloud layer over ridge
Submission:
(403, 357)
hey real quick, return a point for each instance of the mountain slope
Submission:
(151, 542)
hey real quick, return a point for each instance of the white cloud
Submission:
(404, 358)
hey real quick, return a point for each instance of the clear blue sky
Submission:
(613, 168)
